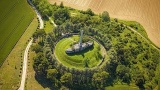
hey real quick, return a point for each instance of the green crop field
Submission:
(15, 17)
(77, 60)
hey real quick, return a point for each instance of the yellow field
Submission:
(146, 12)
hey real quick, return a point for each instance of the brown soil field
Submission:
(146, 12)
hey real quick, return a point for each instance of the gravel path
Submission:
(27, 49)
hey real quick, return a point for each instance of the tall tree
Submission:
(66, 79)
(100, 78)
(61, 5)
(37, 48)
(105, 16)
(52, 74)
(123, 73)
(90, 12)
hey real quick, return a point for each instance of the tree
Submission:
(100, 78)
(40, 34)
(52, 74)
(139, 79)
(89, 11)
(37, 48)
(61, 15)
(123, 73)
(66, 79)
(40, 63)
(105, 16)
(61, 5)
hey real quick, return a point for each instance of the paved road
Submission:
(27, 49)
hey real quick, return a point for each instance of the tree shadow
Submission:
(44, 82)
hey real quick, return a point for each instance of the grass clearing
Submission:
(11, 70)
(13, 22)
(48, 26)
(77, 60)
(122, 87)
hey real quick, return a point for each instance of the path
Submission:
(52, 21)
(142, 37)
(38, 15)
(25, 65)
(27, 49)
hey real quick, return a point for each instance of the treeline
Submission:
(47, 66)
(131, 59)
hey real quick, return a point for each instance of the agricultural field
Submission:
(142, 11)
(77, 60)
(11, 70)
(14, 20)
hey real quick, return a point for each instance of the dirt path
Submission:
(38, 15)
(142, 37)
(52, 21)
(25, 65)
(27, 49)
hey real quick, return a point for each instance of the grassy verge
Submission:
(48, 27)
(11, 70)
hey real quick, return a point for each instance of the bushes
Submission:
(61, 15)
(105, 16)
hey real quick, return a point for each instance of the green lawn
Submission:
(122, 87)
(48, 26)
(15, 17)
(77, 60)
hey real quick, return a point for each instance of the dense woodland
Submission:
(131, 59)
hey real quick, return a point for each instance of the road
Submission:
(27, 49)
